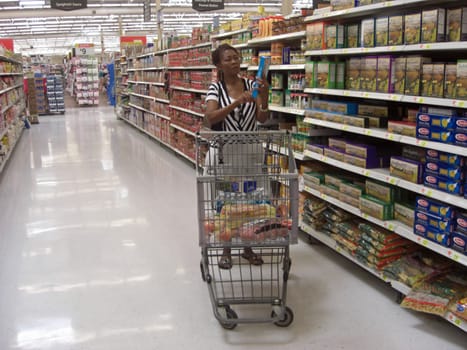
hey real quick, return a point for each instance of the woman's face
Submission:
(230, 62)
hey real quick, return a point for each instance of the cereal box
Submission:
(399, 75)
(427, 79)
(343, 4)
(352, 35)
(382, 29)
(310, 73)
(367, 32)
(413, 74)
(325, 77)
(437, 85)
(433, 26)
(396, 30)
(369, 74)
(450, 81)
(412, 28)
(334, 36)
(315, 36)
(456, 26)
(461, 81)
(353, 74)
(385, 75)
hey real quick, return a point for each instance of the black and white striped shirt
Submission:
(243, 118)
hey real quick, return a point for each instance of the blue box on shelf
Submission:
(435, 121)
(459, 242)
(443, 157)
(443, 170)
(434, 221)
(432, 206)
(461, 222)
(445, 185)
(437, 236)
(435, 134)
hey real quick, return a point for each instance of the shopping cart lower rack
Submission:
(247, 191)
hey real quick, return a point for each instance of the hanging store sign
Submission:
(84, 49)
(207, 5)
(147, 10)
(68, 5)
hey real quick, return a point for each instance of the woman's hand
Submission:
(263, 87)
(245, 97)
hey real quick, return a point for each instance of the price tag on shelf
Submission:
(394, 97)
(324, 158)
(366, 94)
(389, 226)
(345, 127)
(390, 136)
(323, 196)
(427, 192)
(346, 93)
(364, 215)
(460, 103)
(367, 132)
(421, 143)
(424, 242)
(457, 321)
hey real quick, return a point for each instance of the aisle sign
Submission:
(147, 10)
(8, 44)
(207, 5)
(84, 49)
(68, 5)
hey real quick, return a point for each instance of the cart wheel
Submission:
(287, 320)
(231, 314)
(202, 271)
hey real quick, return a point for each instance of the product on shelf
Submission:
(433, 25)
(367, 31)
(382, 31)
(396, 30)
(455, 25)
(412, 28)
(352, 35)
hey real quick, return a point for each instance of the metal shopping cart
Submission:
(247, 190)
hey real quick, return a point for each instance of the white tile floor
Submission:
(98, 250)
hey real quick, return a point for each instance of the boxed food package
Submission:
(353, 201)
(325, 75)
(365, 2)
(352, 190)
(360, 150)
(433, 206)
(353, 73)
(412, 28)
(367, 32)
(352, 35)
(414, 153)
(402, 128)
(461, 222)
(334, 153)
(343, 4)
(310, 73)
(442, 184)
(432, 234)
(450, 81)
(433, 25)
(385, 76)
(382, 31)
(379, 190)
(434, 221)
(315, 36)
(372, 110)
(459, 242)
(334, 36)
(316, 148)
(460, 138)
(461, 124)
(435, 134)
(427, 80)
(369, 73)
(443, 170)
(400, 64)
(338, 143)
(277, 97)
(437, 86)
(340, 75)
(461, 80)
(406, 169)
(376, 208)
(445, 158)
(367, 163)
(432, 120)
(456, 25)
(330, 190)
(413, 72)
(404, 213)
(396, 30)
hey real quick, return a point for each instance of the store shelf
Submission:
(382, 174)
(385, 135)
(10, 151)
(141, 108)
(286, 67)
(162, 116)
(186, 131)
(9, 59)
(145, 69)
(189, 89)
(10, 74)
(456, 321)
(10, 88)
(229, 34)
(445, 46)
(274, 38)
(240, 46)
(187, 111)
(7, 108)
(287, 110)
(145, 83)
(393, 226)
(443, 102)
(190, 47)
(142, 96)
(209, 66)
(145, 55)
(163, 100)
(373, 9)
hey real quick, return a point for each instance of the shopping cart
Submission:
(247, 190)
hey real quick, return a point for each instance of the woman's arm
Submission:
(262, 109)
(214, 114)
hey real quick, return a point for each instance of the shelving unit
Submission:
(55, 94)
(12, 106)
(85, 81)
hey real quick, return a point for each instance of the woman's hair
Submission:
(217, 53)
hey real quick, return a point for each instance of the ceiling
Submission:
(38, 29)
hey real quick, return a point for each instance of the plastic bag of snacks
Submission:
(424, 301)
(409, 270)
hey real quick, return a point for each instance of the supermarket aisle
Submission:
(98, 251)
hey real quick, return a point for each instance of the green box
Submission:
(380, 190)
(334, 36)
(350, 189)
(310, 73)
(353, 73)
(412, 28)
(376, 208)
(461, 81)
(325, 77)
(340, 75)
(382, 31)
(396, 30)
(368, 32)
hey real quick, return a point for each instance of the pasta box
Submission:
(446, 185)
(406, 169)
(460, 138)
(432, 234)
(443, 170)
(435, 134)
(434, 221)
(461, 124)
(438, 121)
(461, 222)
(432, 206)
(447, 158)
(459, 242)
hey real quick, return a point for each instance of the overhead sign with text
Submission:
(207, 5)
(68, 5)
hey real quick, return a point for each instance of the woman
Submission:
(230, 106)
